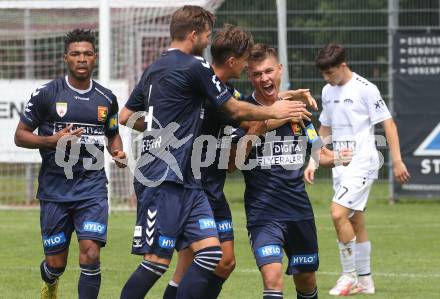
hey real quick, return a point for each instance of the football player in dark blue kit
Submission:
(278, 210)
(76, 118)
(172, 207)
(230, 51)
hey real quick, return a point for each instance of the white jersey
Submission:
(352, 110)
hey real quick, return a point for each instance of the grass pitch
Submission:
(405, 238)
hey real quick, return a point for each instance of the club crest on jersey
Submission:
(61, 108)
(296, 129)
(102, 113)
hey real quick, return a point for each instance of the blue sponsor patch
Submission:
(224, 226)
(166, 242)
(306, 259)
(54, 240)
(94, 227)
(270, 250)
(207, 223)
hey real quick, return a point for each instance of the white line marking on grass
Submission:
(398, 275)
(247, 270)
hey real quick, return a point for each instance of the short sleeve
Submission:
(34, 112)
(208, 83)
(377, 107)
(112, 126)
(136, 100)
(324, 117)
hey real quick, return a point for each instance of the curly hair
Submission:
(79, 35)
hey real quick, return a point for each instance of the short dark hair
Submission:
(79, 35)
(259, 52)
(330, 56)
(190, 18)
(231, 41)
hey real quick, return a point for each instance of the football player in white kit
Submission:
(351, 107)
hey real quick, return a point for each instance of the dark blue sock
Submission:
(311, 295)
(216, 284)
(198, 279)
(50, 274)
(272, 294)
(89, 281)
(170, 292)
(141, 281)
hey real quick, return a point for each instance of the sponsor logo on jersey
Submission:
(305, 259)
(288, 152)
(379, 105)
(166, 242)
(207, 223)
(348, 101)
(270, 250)
(92, 134)
(224, 226)
(102, 113)
(61, 108)
(296, 129)
(54, 240)
(94, 227)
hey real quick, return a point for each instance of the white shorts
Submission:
(352, 192)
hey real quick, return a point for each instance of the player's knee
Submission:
(226, 265)
(338, 215)
(89, 255)
(50, 273)
(273, 280)
(209, 257)
(305, 282)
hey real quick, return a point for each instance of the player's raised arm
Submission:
(241, 110)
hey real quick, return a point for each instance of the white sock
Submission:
(173, 284)
(363, 256)
(347, 256)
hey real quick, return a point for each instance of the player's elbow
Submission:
(124, 115)
(17, 139)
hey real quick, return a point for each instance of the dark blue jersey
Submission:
(52, 107)
(172, 91)
(275, 187)
(223, 128)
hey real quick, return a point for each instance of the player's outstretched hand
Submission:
(400, 172)
(309, 174)
(66, 132)
(294, 110)
(120, 158)
(302, 95)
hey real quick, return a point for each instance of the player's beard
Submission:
(198, 50)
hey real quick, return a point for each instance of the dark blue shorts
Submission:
(88, 218)
(223, 220)
(297, 238)
(169, 216)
